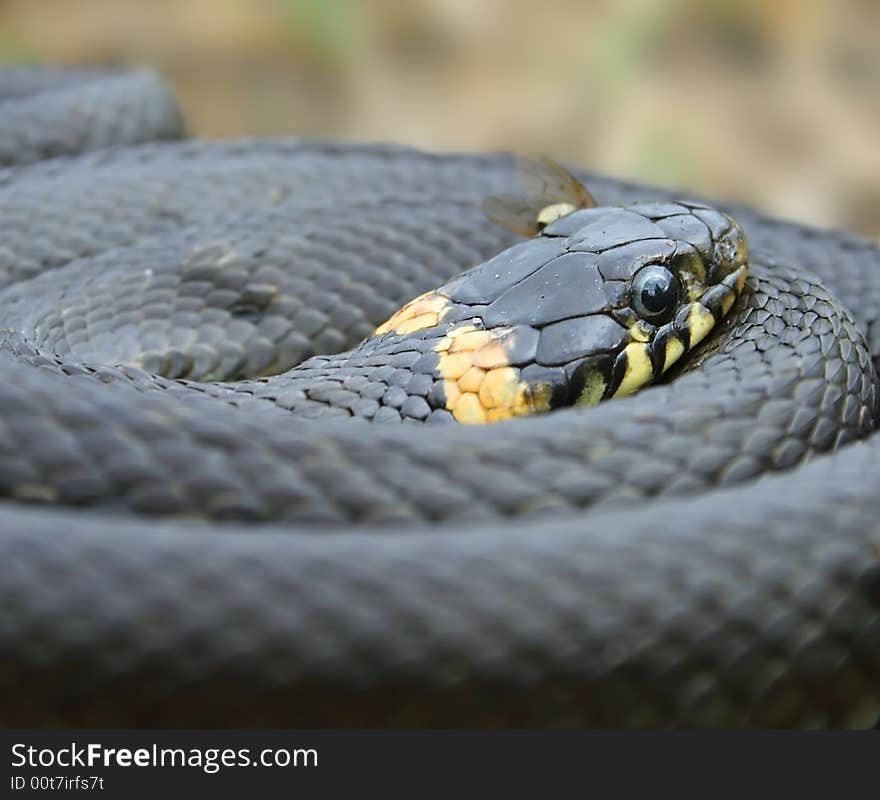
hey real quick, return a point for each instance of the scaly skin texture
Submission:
(184, 552)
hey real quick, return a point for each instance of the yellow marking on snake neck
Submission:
(425, 311)
(469, 410)
(454, 365)
(469, 340)
(427, 320)
(500, 388)
(491, 356)
(638, 368)
(451, 392)
(479, 383)
(472, 380)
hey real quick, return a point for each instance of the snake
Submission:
(293, 436)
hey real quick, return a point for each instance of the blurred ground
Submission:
(775, 103)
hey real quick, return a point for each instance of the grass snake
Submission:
(199, 528)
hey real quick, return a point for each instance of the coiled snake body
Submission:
(183, 545)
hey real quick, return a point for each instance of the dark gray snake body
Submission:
(182, 552)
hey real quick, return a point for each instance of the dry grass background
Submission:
(774, 103)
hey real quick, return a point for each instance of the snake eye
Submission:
(655, 292)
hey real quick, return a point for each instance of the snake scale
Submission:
(179, 548)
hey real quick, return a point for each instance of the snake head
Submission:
(602, 302)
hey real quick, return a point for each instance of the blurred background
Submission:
(773, 103)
